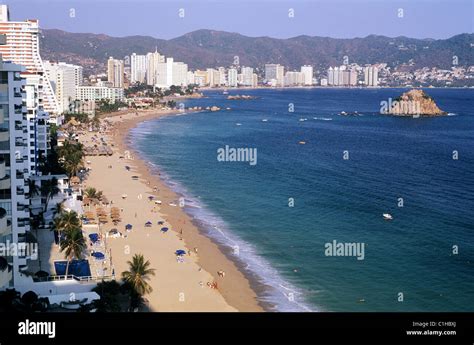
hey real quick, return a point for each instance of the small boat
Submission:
(225, 92)
(238, 124)
(265, 120)
(342, 113)
(387, 216)
(302, 142)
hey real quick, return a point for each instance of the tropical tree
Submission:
(137, 277)
(49, 188)
(33, 188)
(71, 155)
(65, 222)
(73, 246)
(93, 193)
(109, 293)
(59, 208)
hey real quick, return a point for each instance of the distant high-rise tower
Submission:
(308, 74)
(153, 60)
(330, 76)
(115, 72)
(138, 68)
(371, 76)
(232, 77)
(275, 73)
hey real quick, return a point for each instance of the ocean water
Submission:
(337, 199)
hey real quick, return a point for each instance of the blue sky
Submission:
(336, 18)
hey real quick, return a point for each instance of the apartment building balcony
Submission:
(6, 273)
(21, 143)
(5, 224)
(4, 134)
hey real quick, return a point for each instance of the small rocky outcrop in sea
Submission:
(411, 103)
(213, 108)
(241, 97)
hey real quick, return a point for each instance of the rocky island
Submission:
(412, 103)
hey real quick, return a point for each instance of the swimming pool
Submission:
(78, 268)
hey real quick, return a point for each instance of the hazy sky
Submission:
(336, 18)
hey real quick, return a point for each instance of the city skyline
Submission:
(282, 19)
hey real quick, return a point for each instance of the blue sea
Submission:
(420, 170)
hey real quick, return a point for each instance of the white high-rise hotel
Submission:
(22, 48)
(64, 79)
(115, 72)
(14, 203)
(371, 76)
(138, 66)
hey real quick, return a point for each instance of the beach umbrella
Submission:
(124, 196)
(148, 223)
(164, 229)
(98, 255)
(113, 232)
(161, 222)
(128, 227)
(94, 237)
(180, 252)
(151, 197)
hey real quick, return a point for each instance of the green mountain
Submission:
(208, 48)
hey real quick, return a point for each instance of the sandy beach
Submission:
(177, 286)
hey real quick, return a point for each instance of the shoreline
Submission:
(238, 289)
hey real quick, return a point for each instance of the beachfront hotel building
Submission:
(64, 79)
(275, 74)
(38, 140)
(152, 65)
(201, 77)
(293, 78)
(342, 76)
(14, 203)
(22, 48)
(307, 72)
(138, 67)
(247, 76)
(232, 77)
(115, 72)
(371, 76)
(97, 93)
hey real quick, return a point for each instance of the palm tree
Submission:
(73, 246)
(71, 155)
(65, 222)
(33, 187)
(49, 188)
(59, 208)
(138, 276)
